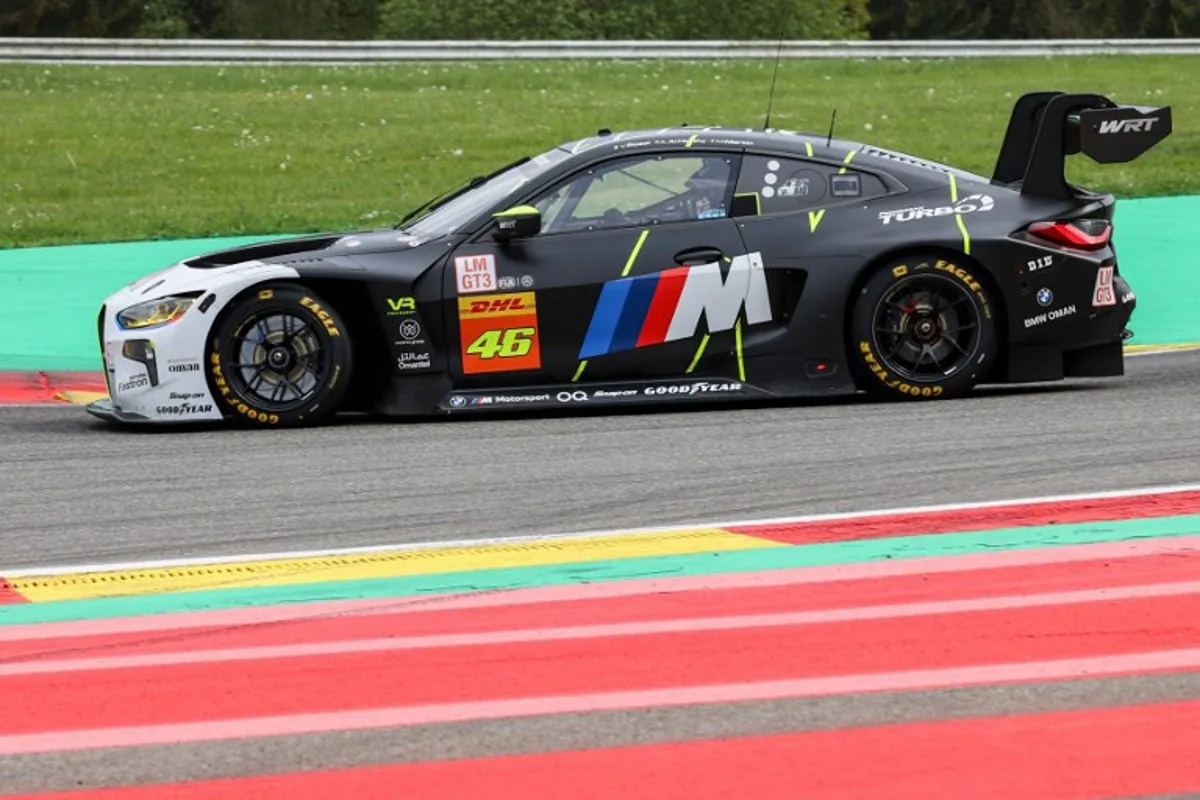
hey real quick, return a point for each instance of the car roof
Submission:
(768, 140)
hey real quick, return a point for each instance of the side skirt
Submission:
(608, 394)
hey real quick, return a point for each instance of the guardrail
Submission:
(190, 51)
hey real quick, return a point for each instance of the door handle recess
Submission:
(698, 255)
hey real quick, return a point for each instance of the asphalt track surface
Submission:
(73, 490)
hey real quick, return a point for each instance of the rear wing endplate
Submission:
(1046, 127)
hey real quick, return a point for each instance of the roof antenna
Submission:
(774, 75)
(832, 120)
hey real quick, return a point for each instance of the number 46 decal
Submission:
(511, 343)
(499, 332)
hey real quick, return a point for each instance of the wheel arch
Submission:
(351, 300)
(977, 267)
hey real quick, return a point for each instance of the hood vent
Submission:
(258, 252)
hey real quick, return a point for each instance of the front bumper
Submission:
(155, 374)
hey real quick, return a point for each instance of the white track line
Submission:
(502, 540)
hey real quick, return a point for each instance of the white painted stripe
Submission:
(78, 569)
(787, 619)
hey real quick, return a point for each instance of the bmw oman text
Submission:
(659, 266)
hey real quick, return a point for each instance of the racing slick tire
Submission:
(923, 327)
(280, 356)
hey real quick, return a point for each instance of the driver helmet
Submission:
(707, 186)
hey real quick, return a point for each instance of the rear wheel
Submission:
(923, 328)
(280, 356)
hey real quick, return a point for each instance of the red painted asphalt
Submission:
(43, 387)
(978, 519)
(1121, 614)
(9, 595)
(1138, 750)
(277, 686)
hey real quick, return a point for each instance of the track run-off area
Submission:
(992, 597)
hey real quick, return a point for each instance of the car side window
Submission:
(640, 190)
(769, 185)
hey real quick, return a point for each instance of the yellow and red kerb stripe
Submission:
(9, 595)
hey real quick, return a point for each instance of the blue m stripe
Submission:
(637, 305)
(605, 318)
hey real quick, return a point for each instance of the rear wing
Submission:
(1046, 127)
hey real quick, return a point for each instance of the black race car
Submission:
(691, 263)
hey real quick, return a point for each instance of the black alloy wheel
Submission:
(923, 328)
(280, 356)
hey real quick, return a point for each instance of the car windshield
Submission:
(467, 206)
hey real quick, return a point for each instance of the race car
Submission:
(681, 264)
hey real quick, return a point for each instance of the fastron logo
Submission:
(668, 306)
(969, 204)
(1140, 125)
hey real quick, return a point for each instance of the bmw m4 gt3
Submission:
(682, 264)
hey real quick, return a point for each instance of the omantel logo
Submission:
(667, 306)
(968, 205)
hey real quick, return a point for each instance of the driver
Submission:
(705, 198)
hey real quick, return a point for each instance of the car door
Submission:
(636, 263)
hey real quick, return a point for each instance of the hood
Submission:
(305, 248)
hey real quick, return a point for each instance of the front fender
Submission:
(157, 374)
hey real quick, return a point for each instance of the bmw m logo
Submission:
(1045, 297)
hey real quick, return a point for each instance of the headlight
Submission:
(154, 312)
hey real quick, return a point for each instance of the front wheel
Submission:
(923, 328)
(280, 356)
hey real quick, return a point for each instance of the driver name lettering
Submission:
(475, 273)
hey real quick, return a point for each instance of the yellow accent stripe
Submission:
(962, 226)
(579, 372)
(808, 148)
(737, 337)
(637, 248)
(388, 564)
(692, 140)
(849, 157)
(814, 219)
(699, 352)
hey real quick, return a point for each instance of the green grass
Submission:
(91, 154)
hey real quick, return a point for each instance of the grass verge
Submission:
(102, 153)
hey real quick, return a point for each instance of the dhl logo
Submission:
(497, 305)
(501, 304)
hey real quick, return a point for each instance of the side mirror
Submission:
(517, 223)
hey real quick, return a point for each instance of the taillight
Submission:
(1080, 234)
